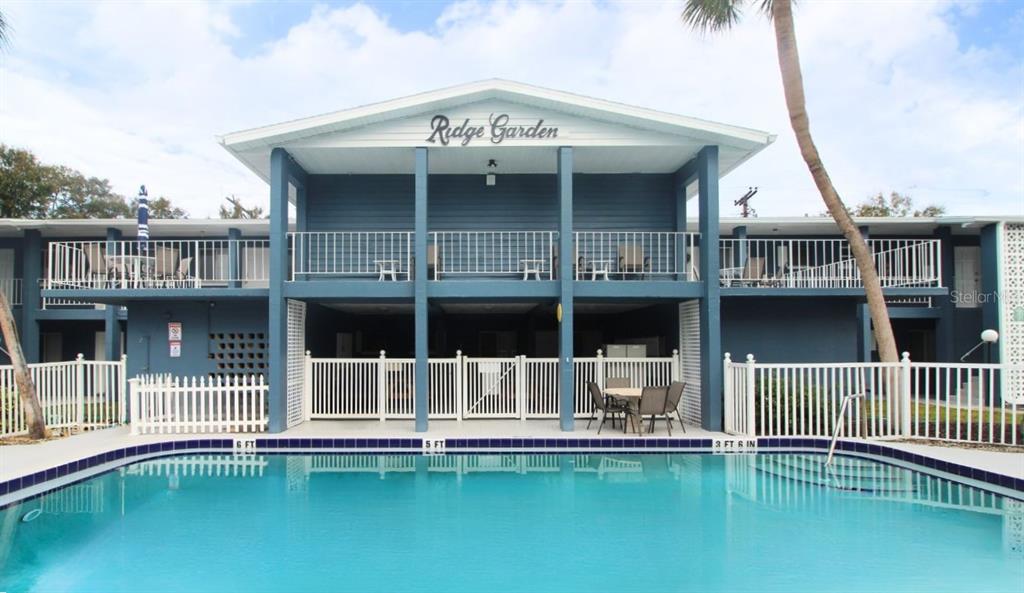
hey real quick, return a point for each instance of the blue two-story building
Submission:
(493, 221)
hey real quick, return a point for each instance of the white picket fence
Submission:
(464, 387)
(76, 395)
(978, 403)
(164, 404)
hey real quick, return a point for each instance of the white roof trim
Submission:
(638, 117)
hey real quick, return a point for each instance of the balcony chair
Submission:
(632, 260)
(653, 403)
(98, 268)
(609, 408)
(751, 274)
(433, 262)
(616, 382)
(183, 276)
(165, 265)
(675, 395)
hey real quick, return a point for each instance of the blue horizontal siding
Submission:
(466, 203)
(636, 202)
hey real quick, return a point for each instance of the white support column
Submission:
(520, 380)
(749, 424)
(80, 391)
(382, 398)
(675, 365)
(730, 396)
(307, 387)
(122, 397)
(459, 385)
(905, 395)
(599, 369)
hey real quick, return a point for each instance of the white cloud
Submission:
(136, 92)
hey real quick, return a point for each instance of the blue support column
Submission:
(421, 311)
(234, 258)
(111, 325)
(990, 285)
(865, 339)
(710, 305)
(739, 256)
(865, 231)
(32, 272)
(565, 281)
(277, 319)
(946, 329)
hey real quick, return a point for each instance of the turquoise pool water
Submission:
(513, 523)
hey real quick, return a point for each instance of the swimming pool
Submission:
(513, 522)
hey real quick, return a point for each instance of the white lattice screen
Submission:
(689, 353)
(295, 358)
(1011, 308)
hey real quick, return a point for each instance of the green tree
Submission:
(78, 196)
(159, 208)
(25, 184)
(896, 204)
(719, 15)
(237, 210)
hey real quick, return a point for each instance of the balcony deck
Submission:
(483, 264)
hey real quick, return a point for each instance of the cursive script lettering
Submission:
(442, 131)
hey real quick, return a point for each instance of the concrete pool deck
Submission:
(22, 460)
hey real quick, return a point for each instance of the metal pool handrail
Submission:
(839, 425)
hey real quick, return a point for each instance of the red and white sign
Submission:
(174, 331)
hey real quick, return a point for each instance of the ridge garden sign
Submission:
(496, 130)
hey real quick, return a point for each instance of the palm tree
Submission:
(22, 378)
(718, 15)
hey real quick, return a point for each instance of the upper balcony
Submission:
(827, 263)
(132, 266)
(493, 255)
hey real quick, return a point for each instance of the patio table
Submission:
(134, 268)
(532, 266)
(630, 395)
(387, 267)
(600, 266)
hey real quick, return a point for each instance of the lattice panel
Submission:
(689, 353)
(1011, 301)
(296, 361)
(238, 354)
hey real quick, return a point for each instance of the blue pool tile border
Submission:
(491, 445)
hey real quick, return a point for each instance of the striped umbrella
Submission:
(143, 220)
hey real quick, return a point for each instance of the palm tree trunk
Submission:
(793, 85)
(22, 378)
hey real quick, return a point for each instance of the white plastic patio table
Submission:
(387, 267)
(632, 397)
(532, 266)
(600, 266)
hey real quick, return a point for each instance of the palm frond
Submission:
(3, 30)
(712, 16)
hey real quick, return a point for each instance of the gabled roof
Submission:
(650, 127)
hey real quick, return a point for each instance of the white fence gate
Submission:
(82, 394)
(466, 387)
(162, 404)
(977, 403)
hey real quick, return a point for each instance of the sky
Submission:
(924, 97)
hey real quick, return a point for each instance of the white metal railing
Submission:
(158, 264)
(466, 387)
(12, 288)
(827, 263)
(635, 255)
(383, 255)
(164, 404)
(81, 394)
(980, 403)
(529, 254)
